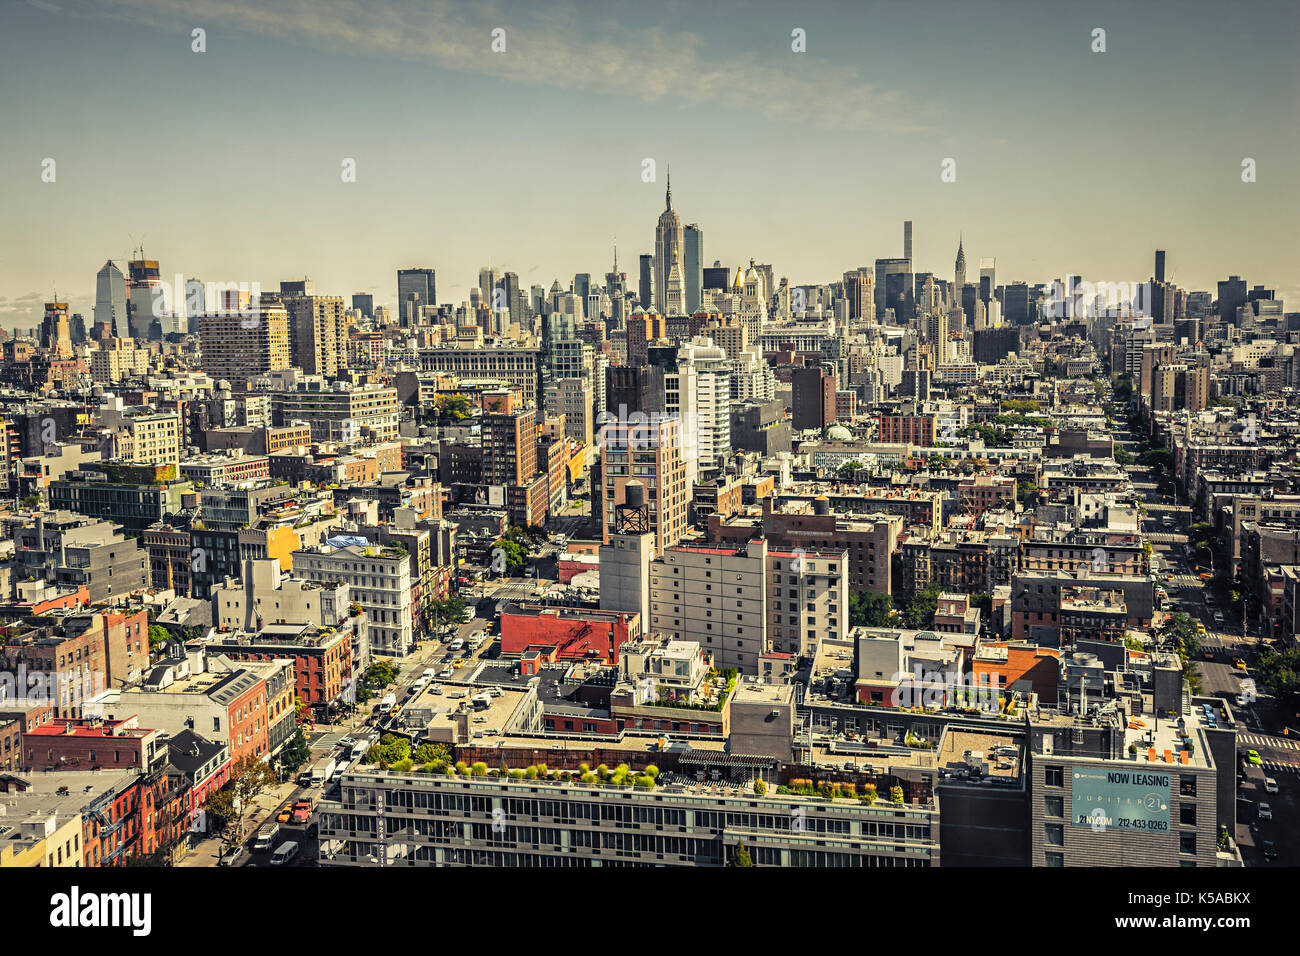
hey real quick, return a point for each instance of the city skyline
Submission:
(578, 111)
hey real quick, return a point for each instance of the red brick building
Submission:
(90, 744)
(575, 633)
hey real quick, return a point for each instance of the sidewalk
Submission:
(263, 809)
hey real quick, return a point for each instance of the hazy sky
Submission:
(226, 163)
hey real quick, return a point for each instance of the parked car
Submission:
(1265, 811)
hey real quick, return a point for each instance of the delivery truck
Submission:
(322, 771)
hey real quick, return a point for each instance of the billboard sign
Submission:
(1120, 799)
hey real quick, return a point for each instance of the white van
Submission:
(456, 645)
(266, 837)
(429, 673)
(284, 854)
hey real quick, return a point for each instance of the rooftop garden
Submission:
(714, 691)
(395, 754)
(802, 787)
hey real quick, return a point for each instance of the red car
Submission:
(301, 811)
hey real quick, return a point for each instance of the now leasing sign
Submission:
(1120, 800)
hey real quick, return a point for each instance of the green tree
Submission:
(31, 502)
(158, 635)
(1020, 405)
(248, 778)
(296, 753)
(849, 469)
(381, 673)
(920, 610)
(432, 753)
(741, 857)
(450, 613)
(1025, 488)
(1279, 672)
(516, 557)
(868, 609)
(390, 750)
(455, 407)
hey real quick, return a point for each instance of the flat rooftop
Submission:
(997, 749)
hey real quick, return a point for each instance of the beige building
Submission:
(340, 411)
(141, 436)
(239, 344)
(808, 600)
(716, 596)
(318, 333)
(651, 453)
(572, 398)
(117, 359)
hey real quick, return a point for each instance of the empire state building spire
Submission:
(668, 198)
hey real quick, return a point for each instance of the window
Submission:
(1187, 814)
(1054, 776)
(1054, 806)
(1054, 834)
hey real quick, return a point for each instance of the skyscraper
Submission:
(110, 298)
(894, 289)
(1160, 265)
(143, 297)
(365, 303)
(488, 278)
(907, 239)
(414, 286)
(1232, 295)
(668, 248)
(959, 273)
(56, 330)
(318, 333)
(509, 440)
(615, 281)
(694, 270)
(716, 276)
(988, 278)
(237, 347)
(653, 451)
(646, 284)
(514, 296)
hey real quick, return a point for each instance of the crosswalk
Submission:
(1258, 740)
(1277, 766)
(1272, 765)
(1187, 581)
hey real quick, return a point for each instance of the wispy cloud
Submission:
(562, 47)
(23, 304)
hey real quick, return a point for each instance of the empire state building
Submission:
(668, 258)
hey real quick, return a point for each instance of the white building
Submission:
(379, 579)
